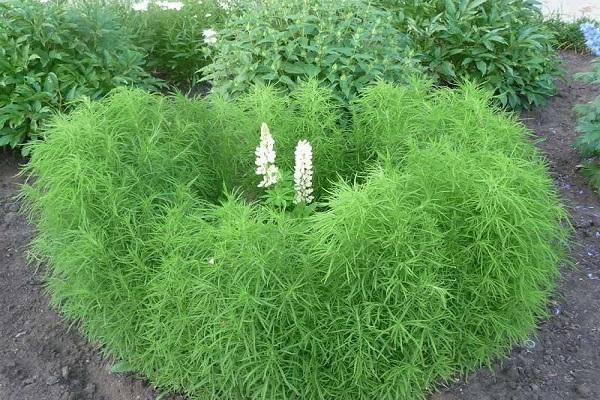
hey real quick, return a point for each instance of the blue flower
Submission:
(591, 34)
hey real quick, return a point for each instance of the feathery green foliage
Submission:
(52, 53)
(434, 251)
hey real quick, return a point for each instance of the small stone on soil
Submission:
(90, 388)
(29, 381)
(10, 218)
(583, 391)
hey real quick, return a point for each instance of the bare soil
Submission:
(43, 357)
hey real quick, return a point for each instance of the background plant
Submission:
(174, 39)
(503, 44)
(52, 53)
(588, 141)
(435, 250)
(343, 44)
(567, 33)
(588, 127)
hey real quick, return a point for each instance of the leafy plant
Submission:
(344, 44)
(567, 34)
(502, 44)
(434, 251)
(588, 141)
(51, 54)
(175, 39)
(588, 126)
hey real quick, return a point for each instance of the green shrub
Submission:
(434, 253)
(588, 127)
(52, 53)
(344, 44)
(174, 39)
(503, 44)
(568, 34)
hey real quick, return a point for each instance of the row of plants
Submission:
(53, 53)
(505, 45)
(568, 34)
(271, 246)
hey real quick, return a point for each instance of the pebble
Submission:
(29, 381)
(583, 391)
(64, 371)
(512, 372)
(53, 380)
(10, 218)
(90, 388)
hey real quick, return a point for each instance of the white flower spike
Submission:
(303, 173)
(265, 158)
(143, 6)
(210, 36)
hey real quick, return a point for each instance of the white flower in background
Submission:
(141, 6)
(224, 4)
(168, 5)
(265, 158)
(210, 36)
(303, 173)
(208, 15)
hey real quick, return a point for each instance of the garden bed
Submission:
(40, 358)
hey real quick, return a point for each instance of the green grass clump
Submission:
(433, 248)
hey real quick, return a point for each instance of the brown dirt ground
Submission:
(42, 357)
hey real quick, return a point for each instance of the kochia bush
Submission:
(434, 250)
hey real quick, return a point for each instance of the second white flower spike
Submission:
(303, 173)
